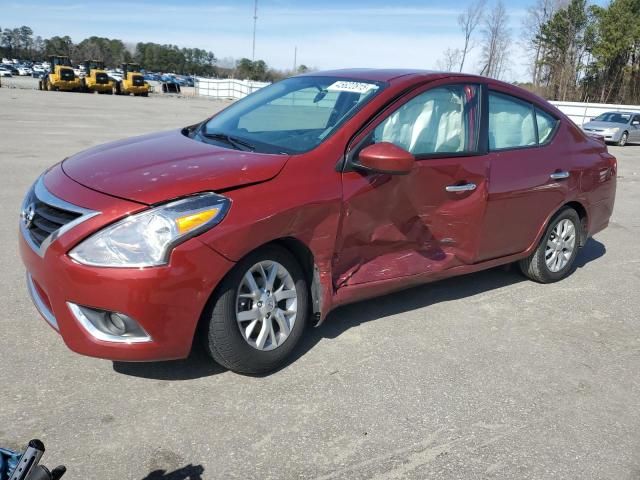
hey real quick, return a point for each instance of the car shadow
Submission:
(190, 472)
(592, 250)
(199, 364)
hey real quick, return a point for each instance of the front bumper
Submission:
(136, 90)
(67, 85)
(607, 136)
(167, 301)
(100, 87)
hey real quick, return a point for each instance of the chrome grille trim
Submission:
(40, 305)
(40, 192)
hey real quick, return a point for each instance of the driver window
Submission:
(439, 121)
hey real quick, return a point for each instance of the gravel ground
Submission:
(483, 376)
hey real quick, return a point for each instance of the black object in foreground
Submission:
(28, 468)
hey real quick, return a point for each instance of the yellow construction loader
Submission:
(61, 76)
(132, 81)
(96, 78)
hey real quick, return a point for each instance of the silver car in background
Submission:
(615, 127)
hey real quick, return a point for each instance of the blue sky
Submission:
(328, 34)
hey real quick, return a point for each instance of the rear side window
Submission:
(511, 122)
(546, 126)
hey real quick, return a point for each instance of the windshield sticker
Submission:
(353, 87)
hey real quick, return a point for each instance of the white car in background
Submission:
(615, 127)
(4, 72)
(115, 75)
(24, 71)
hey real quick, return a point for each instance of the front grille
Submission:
(42, 220)
(102, 78)
(66, 74)
(138, 81)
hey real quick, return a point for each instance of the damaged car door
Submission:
(421, 221)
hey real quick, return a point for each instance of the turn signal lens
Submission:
(190, 222)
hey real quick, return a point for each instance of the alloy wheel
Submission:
(623, 139)
(560, 245)
(266, 305)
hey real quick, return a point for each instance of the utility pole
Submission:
(295, 59)
(255, 21)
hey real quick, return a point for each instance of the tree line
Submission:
(577, 51)
(22, 44)
(586, 52)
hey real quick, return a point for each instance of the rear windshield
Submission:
(294, 115)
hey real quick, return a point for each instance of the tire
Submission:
(222, 331)
(39, 84)
(536, 266)
(623, 139)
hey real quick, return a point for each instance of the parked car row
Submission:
(14, 67)
(182, 80)
(9, 69)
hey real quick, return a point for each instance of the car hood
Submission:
(603, 125)
(166, 165)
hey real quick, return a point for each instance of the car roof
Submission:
(373, 74)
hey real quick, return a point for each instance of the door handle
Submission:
(461, 188)
(559, 175)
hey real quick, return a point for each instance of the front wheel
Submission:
(623, 139)
(259, 312)
(554, 257)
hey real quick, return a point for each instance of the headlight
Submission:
(613, 130)
(147, 238)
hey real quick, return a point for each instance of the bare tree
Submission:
(495, 41)
(450, 60)
(469, 21)
(538, 15)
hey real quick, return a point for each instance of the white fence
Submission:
(581, 113)
(228, 88)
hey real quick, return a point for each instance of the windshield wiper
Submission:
(233, 141)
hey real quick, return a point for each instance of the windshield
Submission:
(291, 116)
(613, 117)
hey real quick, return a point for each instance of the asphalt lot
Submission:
(484, 376)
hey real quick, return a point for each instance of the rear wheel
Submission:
(258, 313)
(623, 139)
(554, 257)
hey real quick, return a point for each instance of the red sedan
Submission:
(317, 191)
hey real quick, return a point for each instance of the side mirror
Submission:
(386, 158)
(635, 122)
